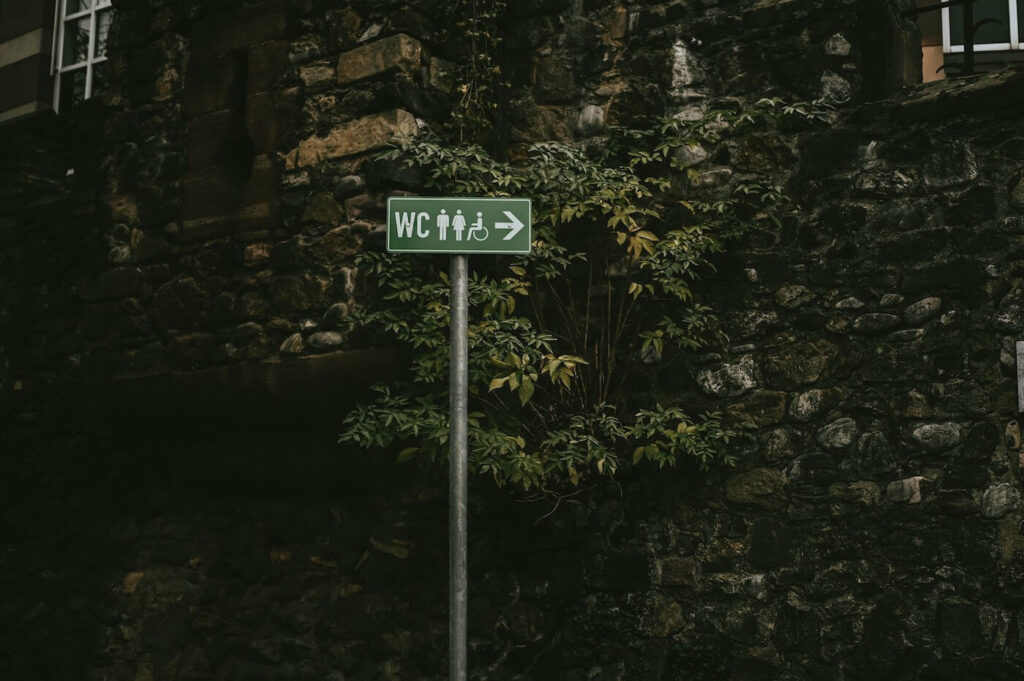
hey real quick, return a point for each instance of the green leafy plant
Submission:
(479, 78)
(557, 337)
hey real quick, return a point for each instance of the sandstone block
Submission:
(355, 137)
(398, 52)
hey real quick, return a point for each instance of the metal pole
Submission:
(458, 469)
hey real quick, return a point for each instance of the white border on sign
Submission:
(387, 223)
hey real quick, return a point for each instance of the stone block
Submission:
(800, 364)
(324, 209)
(216, 190)
(541, 122)
(214, 84)
(793, 296)
(355, 137)
(937, 437)
(441, 76)
(553, 81)
(395, 53)
(773, 544)
(838, 434)
(875, 322)
(335, 246)
(907, 490)
(812, 403)
(229, 31)
(730, 379)
(764, 407)
(922, 310)
(264, 118)
(760, 487)
(998, 500)
(299, 292)
(267, 63)
(326, 340)
(679, 572)
(205, 136)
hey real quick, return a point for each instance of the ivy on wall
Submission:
(559, 338)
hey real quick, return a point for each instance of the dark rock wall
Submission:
(872, 529)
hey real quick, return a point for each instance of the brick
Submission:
(229, 31)
(398, 52)
(356, 137)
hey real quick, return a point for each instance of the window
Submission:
(83, 27)
(1000, 30)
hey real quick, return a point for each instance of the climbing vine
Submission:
(563, 339)
(479, 78)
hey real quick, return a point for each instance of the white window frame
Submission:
(1014, 44)
(91, 60)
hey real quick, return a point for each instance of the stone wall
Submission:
(200, 523)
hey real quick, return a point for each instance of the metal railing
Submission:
(970, 28)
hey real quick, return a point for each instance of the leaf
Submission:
(407, 454)
(497, 383)
(526, 390)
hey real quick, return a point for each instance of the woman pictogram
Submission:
(458, 224)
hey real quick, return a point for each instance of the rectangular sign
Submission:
(420, 224)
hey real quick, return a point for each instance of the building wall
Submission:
(178, 503)
(26, 40)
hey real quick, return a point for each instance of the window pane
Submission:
(103, 21)
(72, 6)
(990, 32)
(76, 41)
(100, 77)
(72, 88)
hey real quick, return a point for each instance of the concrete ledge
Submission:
(945, 98)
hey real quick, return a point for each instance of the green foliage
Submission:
(478, 78)
(559, 338)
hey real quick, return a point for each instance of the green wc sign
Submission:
(418, 224)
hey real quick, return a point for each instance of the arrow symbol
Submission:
(515, 225)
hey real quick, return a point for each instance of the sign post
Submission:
(459, 226)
